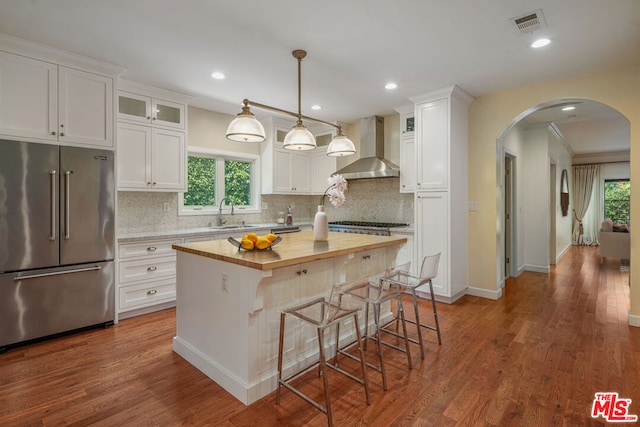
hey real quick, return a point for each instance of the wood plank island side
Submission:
(228, 303)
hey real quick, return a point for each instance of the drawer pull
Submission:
(152, 292)
(152, 268)
(151, 248)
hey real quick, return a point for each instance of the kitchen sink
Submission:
(224, 227)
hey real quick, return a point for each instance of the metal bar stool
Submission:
(376, 291)
(323, 314)
(405, 281)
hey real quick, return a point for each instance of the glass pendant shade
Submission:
(341, 146)
(299, 138)
(245, 128)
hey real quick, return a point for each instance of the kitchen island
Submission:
(229, 302)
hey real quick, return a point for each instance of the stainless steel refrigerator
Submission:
(57, 240)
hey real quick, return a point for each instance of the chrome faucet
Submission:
(220, 221)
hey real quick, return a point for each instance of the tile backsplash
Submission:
(366, 200)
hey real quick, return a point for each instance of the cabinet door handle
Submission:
(304, 271)
(154, 183)
(53, 133)
(148, 183)
(154, 118)
(148, 117)
(61, 133)
(152, 292)
(151, 248)
(299, 272)
(152, 268)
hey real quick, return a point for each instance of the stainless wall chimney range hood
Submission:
(372, 163)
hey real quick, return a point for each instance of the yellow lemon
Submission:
(247, 244)
(271, 237)
(262, 243)
(252, 236)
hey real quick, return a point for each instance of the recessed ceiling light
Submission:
(390, 86)
(569, 108)
(316, 107)
(217, 75)
(540, 43)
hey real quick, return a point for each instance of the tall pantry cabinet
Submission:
(441, 187)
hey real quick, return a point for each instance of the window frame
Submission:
(221, 156)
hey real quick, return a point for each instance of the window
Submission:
(617, 200)
(214, 176)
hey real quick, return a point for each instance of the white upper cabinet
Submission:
(151, 159)
(295, 172)
(152, 139)
(138, 108)
(408, 162)
(433, 150)
(28, 97)
(85, 108)
(44, 102)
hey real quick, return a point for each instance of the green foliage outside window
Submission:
(617, 201)
(201, 178)
(237, 182)
(201, 175)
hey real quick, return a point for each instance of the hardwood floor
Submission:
(536, 357)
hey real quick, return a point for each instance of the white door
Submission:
(168, 160)
(28, 97)
(85, 105)
(134, 156)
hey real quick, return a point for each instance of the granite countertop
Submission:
(295, 248)
(190, 232)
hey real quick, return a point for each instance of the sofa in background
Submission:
(615, 241)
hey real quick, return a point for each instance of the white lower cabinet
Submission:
(146, 274)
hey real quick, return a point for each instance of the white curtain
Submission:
(584, 177)
(592, 219)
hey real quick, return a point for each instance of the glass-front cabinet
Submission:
(143, 109)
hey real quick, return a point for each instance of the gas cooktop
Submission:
(368, 224)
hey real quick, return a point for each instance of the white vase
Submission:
(320, 225)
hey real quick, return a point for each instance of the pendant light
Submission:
(246, 128)
(299, 138)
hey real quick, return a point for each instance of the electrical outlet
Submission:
(166, 206)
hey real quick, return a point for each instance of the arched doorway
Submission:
(532, 152)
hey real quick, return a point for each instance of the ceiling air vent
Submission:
(530, 22)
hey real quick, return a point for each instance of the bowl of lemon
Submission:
(253, 242)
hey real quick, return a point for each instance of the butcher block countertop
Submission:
(295, 248)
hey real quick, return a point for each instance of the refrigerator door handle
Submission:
(67, 199)
(56, 273)
(52, 186)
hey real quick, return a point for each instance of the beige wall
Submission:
(490, 115)
(207, 129)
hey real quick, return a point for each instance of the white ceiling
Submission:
(354, 47)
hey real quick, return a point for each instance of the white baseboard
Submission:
(634, 320)
(485, 293)
(146, 310)
(537, 268)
